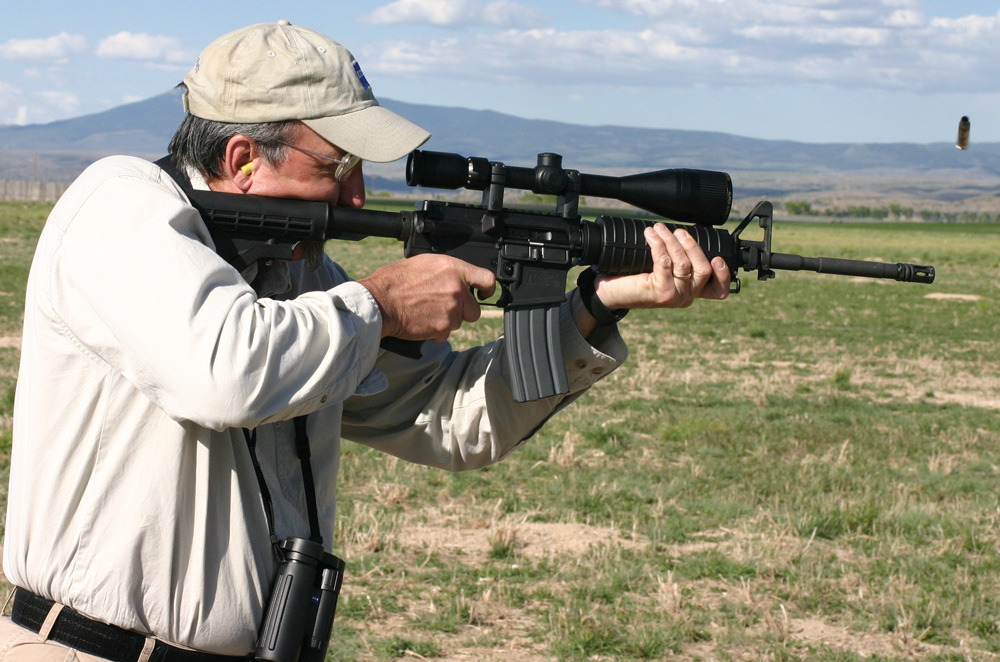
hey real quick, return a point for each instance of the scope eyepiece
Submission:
(437, 170)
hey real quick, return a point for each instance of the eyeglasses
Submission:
(346, 164)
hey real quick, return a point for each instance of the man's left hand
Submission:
(681, 273)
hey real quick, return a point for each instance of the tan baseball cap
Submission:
(273, 72)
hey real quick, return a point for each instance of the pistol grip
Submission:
(408, 348)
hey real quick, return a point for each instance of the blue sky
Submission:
(804, 70)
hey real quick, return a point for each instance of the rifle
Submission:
(531, 252)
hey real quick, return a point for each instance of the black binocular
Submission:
(302, 605)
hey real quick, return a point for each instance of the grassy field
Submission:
(807, 471)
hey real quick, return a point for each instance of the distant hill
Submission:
(136, 128)
(512, 139)
(59, 150)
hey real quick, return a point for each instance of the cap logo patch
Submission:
(361, 76)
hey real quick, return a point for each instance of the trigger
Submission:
(505, 298)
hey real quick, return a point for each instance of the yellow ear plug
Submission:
(247, 169)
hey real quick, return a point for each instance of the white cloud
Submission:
(855, 44)
(141, 46)
(905, 18)
(66, 102)
(60, 46)
(978, 28)
(498, 13)
(843, 36)
(734, 11)
(27, 106)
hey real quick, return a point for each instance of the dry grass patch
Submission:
(474, 541)
(944, 296)
(751, 372)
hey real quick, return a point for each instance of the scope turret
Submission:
(690, 196)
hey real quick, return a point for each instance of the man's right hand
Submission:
(426, 297)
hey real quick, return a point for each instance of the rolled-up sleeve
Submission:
(454, 410)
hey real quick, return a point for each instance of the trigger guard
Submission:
(505, 297)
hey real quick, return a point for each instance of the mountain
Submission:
(144, 127)
(57, 151)
(515, 140)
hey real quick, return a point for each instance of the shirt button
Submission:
(581, 364)
(323, 399)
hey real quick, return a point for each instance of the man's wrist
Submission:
(586, 285)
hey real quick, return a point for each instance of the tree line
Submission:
(888, 212)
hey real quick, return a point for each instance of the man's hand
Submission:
(426, 297)
(681, 273)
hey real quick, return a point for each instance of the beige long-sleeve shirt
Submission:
(132, 494)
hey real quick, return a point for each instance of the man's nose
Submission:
(352, 189)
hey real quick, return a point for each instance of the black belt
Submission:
(86, 635)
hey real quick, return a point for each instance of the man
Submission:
(141, 516)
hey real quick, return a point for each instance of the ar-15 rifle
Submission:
(531, 252)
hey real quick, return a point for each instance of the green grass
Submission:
(20, 224)
(804, 472)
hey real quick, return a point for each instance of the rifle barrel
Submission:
(901, 271)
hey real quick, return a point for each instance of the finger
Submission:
(481, 279)
(681, 275)
(701, 269)
(719, 285)
(680, 264)
(471, 312)
(681, 269)
(657, 237)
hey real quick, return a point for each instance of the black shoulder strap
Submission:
(178, 175)
(308, 482)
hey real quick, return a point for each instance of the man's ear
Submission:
(238, 165)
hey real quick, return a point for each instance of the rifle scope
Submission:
(690, 196)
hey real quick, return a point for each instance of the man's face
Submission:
(309, 177)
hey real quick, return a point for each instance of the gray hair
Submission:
(201, 144)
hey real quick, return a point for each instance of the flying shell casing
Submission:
(963, 133)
